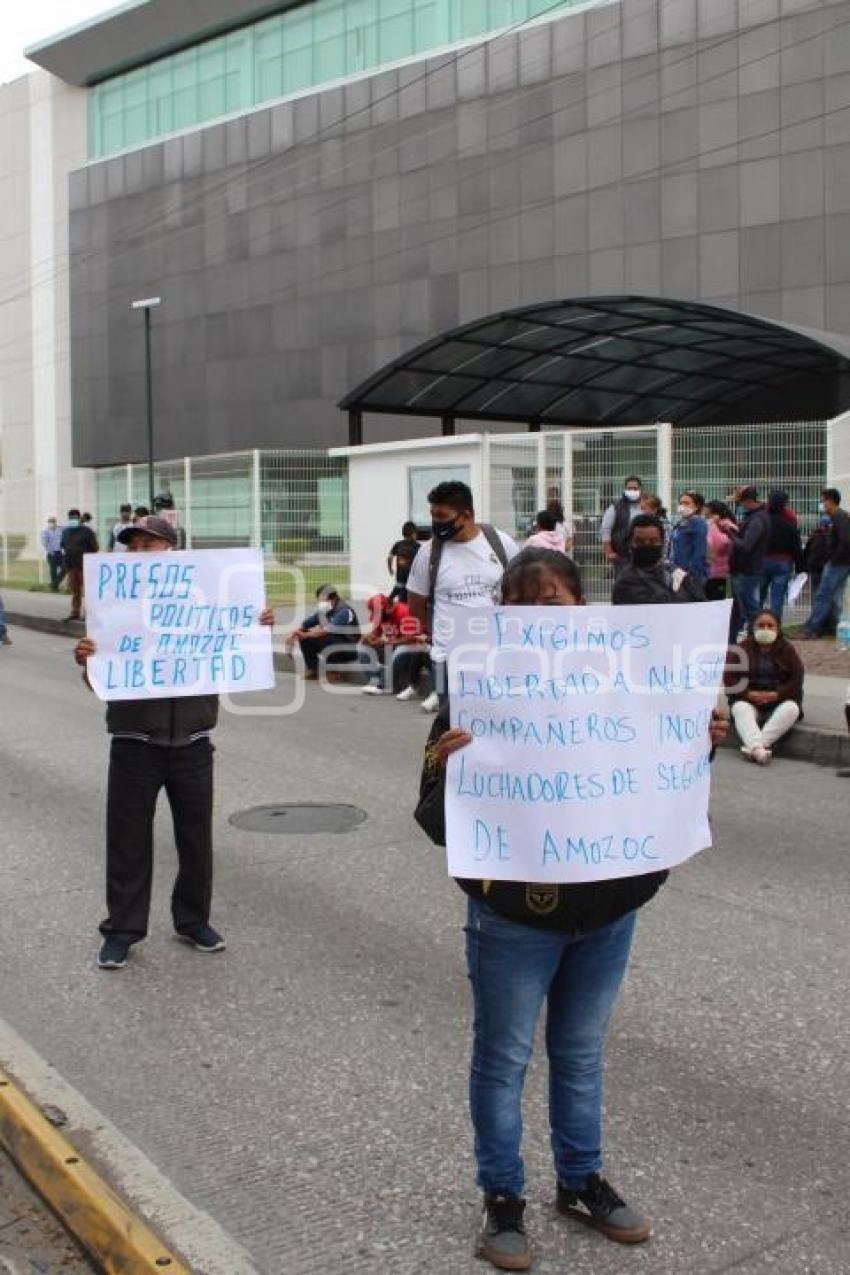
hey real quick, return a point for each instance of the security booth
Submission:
(687, 396)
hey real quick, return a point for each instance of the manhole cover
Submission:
(299, 819)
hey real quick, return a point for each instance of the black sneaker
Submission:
(113, 954)
(503, 1240)
(203, 938)
(599, 1206)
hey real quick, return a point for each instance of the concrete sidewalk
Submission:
(821, 738)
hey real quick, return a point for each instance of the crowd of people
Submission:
(66, 546)
(743, 547)
(570, 956)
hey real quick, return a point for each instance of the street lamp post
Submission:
(147, 304)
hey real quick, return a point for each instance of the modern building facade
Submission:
(42, 138)
(314, 190)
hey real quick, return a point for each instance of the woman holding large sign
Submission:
(528, 943)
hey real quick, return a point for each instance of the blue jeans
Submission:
(373, 660)
(828, 597)
(775, 579)
(745, 595)
(513, 969)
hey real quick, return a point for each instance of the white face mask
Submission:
(765, 637)
(686, 511)
(630, 494)
(324, 608)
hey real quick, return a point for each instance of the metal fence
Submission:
(585, 469)
(294, 504)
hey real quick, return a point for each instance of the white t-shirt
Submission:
(468, 575)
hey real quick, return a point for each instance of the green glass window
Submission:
(307, 46)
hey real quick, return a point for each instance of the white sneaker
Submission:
(431, 704)
(371, 689)
(409, 692)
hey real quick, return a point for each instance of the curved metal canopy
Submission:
(617, 361)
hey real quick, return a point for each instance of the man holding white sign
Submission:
(158, 652)
(577, 774)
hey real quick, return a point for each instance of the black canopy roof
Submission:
(617, 361)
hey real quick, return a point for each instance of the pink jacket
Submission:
(719, 552)
(547, 540)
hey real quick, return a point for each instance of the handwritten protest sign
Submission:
(590, 750)
(175, 624)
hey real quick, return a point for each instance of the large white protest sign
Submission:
(590, 751)
(175, 624)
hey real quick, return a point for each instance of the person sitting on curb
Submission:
(766, 694)
(331, 632)
(570, 956)
(393, 627)
(647, 578)
(157, 743)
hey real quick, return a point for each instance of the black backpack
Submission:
(493, 539)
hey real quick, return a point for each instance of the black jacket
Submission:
(784, 540)
(816, 552)
(839, 539)
(622, 522)
(170, 723)
(642, 586)
(749, 543)
(77, 541)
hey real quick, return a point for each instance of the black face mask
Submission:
(445, 530)
(646, 555)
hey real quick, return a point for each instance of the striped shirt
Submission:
(51, 538)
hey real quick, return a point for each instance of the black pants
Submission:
(409, 663)
(336, 650)
(54, 563)
(137, 772)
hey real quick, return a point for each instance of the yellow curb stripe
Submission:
(118, 1241)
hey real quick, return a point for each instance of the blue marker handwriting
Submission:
(554, 731)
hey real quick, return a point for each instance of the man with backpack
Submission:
(461, 565)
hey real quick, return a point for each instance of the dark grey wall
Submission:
(693, 148)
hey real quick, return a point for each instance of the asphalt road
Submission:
(307, 1087)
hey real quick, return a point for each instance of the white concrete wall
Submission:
(378, 494)
(838, 456)
(42, 137)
